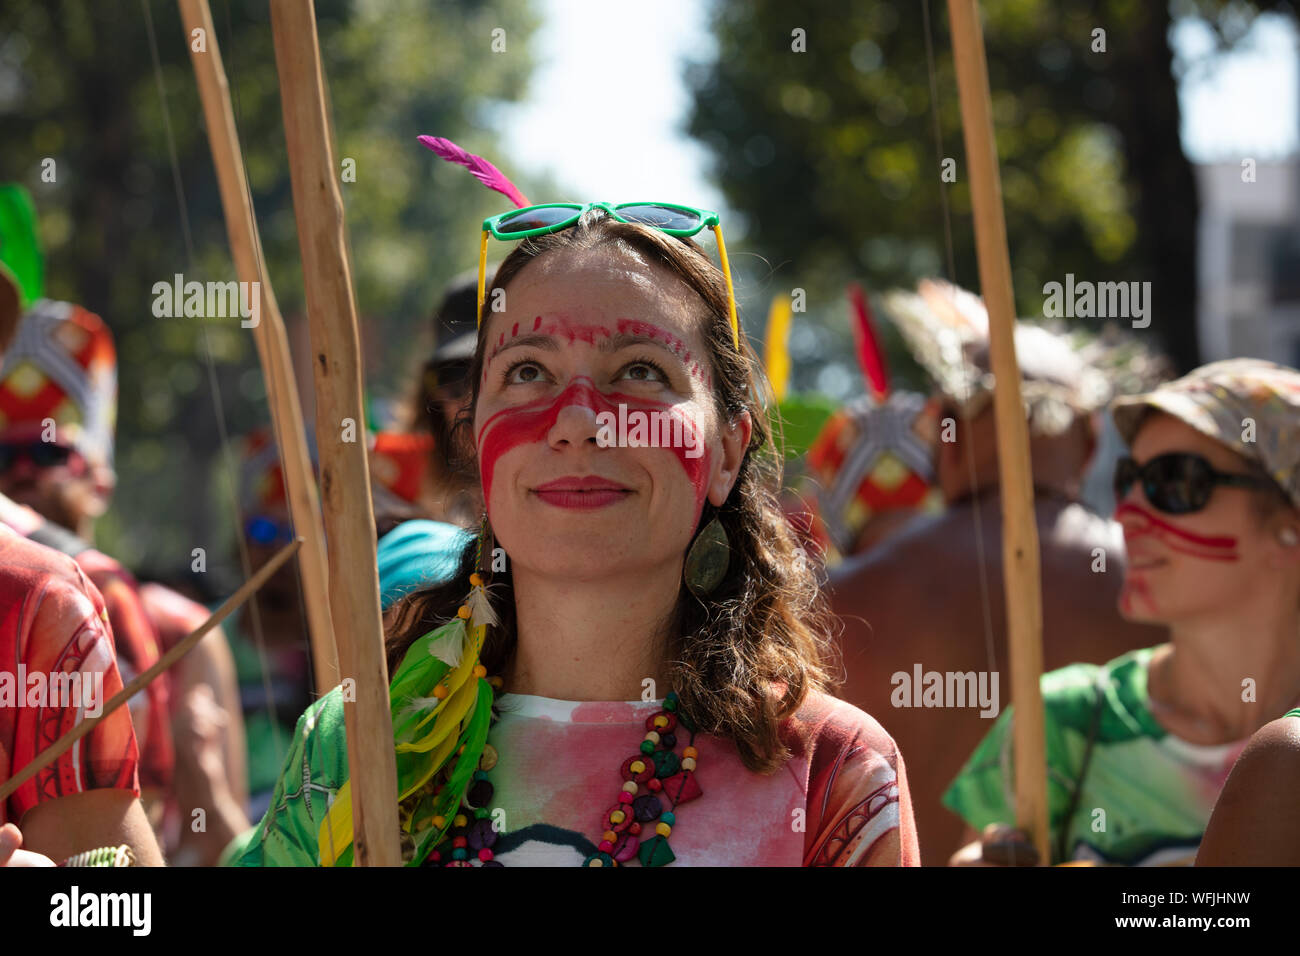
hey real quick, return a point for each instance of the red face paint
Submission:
(570, 332)
(1142, 523)
(532, 422)
(1135, 589)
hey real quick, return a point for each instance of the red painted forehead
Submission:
(597, 332)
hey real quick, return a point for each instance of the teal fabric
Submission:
(417, 554)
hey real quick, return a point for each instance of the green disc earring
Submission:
(707, 559)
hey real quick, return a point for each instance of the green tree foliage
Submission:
(831, 154)
(77, 84)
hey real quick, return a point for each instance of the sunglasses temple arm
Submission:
(482, 277)
(731, 292)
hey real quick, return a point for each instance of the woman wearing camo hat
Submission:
(1138, 750)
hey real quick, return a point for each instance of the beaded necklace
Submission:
(655, 767)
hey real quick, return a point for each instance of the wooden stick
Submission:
(269, 336)
(1020, 556)
(345, 477)
(179, 650)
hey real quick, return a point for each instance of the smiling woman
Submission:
(624, 569)
(1138, 750)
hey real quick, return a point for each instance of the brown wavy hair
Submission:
(745, 658)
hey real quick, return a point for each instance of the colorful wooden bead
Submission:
(662, 721)
(663, 829)
(479, 671)
(617, 818)
(688, 763)
(690, 752)
(646, 808)
(655, 852)
(637, 768)
(667, 763)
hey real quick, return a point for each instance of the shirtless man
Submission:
(931, 594)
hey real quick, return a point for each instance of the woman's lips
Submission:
(575, 492)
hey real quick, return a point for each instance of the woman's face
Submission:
(1188, 567)
(597, 434)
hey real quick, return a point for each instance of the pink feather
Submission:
(871, 357)
(483, 171)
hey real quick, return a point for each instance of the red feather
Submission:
(870, 356)
(483, 171)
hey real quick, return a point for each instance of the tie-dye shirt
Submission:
(840, 800)
(1146, 796)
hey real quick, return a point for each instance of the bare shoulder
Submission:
(1271, 761)
(1254, 821)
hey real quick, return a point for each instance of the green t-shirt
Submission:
(1147, 795)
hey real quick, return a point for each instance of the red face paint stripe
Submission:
(1200, 552)
(579, 332)
(1149, 518)
(530, 423)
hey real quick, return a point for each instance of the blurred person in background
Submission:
(931, 594)
(58, 399)
(1210, 506)
(53, 622)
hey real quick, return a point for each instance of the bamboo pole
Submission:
(142, 680)
(1020, 555)
(269, 336)
(345, 477)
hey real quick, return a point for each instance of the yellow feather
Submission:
(777, 357)
(336, 829)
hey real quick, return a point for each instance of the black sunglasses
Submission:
(1178, 483)
(40, 453)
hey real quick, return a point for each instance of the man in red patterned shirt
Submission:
(58, 398)
(57, 668)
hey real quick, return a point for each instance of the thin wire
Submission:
(214, 386)
(976, 517)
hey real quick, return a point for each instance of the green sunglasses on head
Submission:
(672, 218)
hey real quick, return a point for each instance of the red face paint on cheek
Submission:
(527, 424)
(1136, 590)
(1140, 523)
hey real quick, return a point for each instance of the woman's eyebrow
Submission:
(623, 340)
(537, 340)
